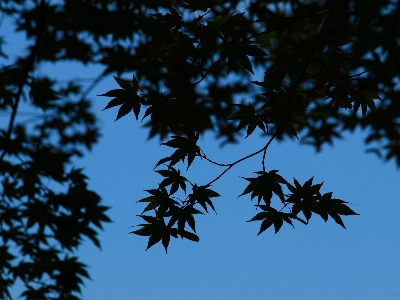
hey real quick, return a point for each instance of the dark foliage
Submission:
(329, 67)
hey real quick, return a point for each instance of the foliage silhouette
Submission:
(322, 62)
(329, 67)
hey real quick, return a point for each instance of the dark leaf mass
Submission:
(306, 70)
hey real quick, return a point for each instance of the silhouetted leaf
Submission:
(264, 186)
(203, 195)
(248, 117)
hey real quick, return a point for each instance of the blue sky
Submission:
(318, 261)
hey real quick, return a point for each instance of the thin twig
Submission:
(263, 160)
(92, 85)
(29, 63)
(203, 155)
(200, 80)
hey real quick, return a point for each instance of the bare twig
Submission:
(203, 155)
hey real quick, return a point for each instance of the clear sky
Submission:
(318, 261)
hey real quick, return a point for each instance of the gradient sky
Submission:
(318, 261)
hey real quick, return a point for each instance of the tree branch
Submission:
(264, 149)
(28, 66)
